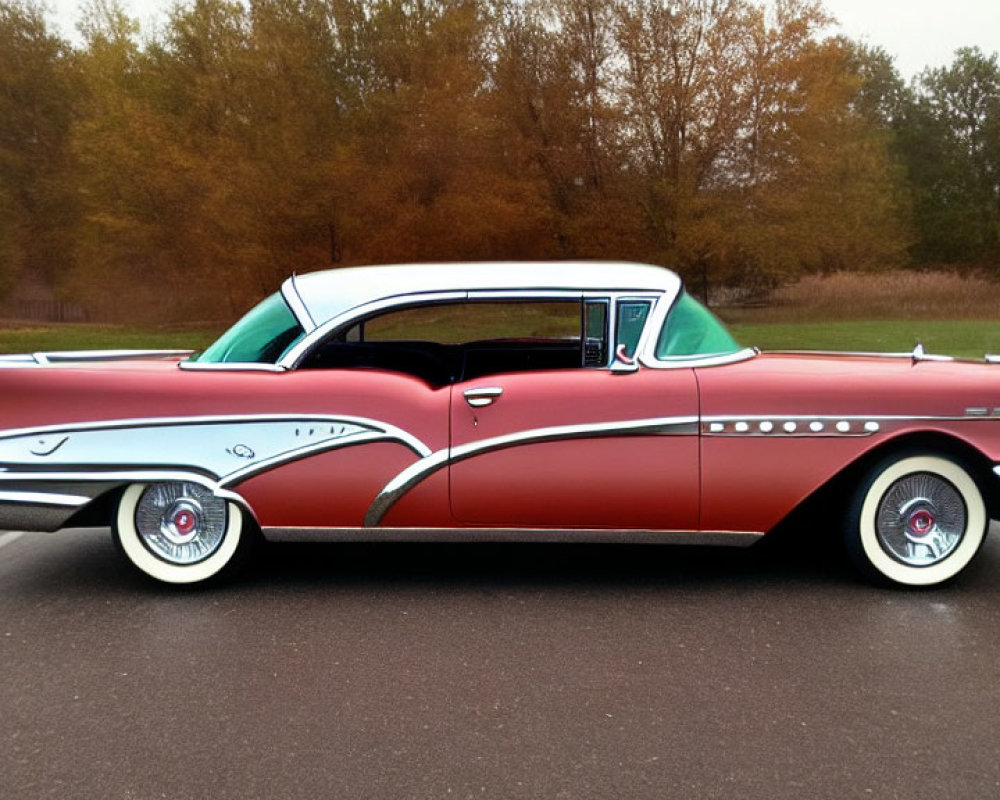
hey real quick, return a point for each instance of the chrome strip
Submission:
(996, 470)
(556, 535)
(691, 362)
(290, 291)
(229, 366)
(233, 478)
(418, 471)
(223, 450)
(48, 358)
(536, 295)
(879, 417)
(44, 498)
(408, 439)
(110, 355)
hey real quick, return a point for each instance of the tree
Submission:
(36, 110)
(951, 141)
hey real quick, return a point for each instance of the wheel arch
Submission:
(100, 512)
(837, 490)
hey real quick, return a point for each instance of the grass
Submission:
(948, 313)
(99, 337)
(963, 338)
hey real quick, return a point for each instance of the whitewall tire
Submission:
(180, 532)
(917, 520)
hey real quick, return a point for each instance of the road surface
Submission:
(494, 671)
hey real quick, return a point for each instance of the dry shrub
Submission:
(902, 294)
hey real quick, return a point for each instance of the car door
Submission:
(584, 447)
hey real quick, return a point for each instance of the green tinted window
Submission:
(631, 320)
(692, 330)
(260, 337)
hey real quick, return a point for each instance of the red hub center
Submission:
(920, 523)
(184, 521)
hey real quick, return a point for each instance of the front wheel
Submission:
(916, 520)
(180, 532)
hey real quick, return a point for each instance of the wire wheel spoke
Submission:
(182, 523)
(921, 519)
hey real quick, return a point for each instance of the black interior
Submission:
(441, 364)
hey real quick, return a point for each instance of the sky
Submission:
(917, 33)
(920, 33)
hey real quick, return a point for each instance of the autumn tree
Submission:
(37, 98)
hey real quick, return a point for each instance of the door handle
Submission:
(482, 395)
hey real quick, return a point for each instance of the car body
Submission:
(573, 401)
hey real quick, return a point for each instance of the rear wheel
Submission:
(916, 520)
(180, 532)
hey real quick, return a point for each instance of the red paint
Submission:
(738, 482)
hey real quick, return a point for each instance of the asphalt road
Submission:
(494, 671)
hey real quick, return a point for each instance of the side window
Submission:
(630, 320)
(450, 342)
(462, 323)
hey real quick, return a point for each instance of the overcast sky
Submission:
(918, 33)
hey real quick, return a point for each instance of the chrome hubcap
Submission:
(182, 523)
(921, 519)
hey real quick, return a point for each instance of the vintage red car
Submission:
(538, 401)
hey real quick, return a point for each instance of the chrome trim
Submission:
(482, 396)
(555, 535)
(228, 449)
(540, 295)
(418, 471)
(694, 362)
(44, 498)
(257, 468)
(110, 355)
(914, 355)
(996, 470)
(408, 439)
(230, 366)
(290, 292)
(51, 357)
(833, 425)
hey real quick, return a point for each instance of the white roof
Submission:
(329, 294)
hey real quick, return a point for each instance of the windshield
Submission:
(261, 337)
(692, 330)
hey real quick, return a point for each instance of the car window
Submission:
(261, 337)
(630, 320)
(449, 342)
(692, 330)
(457, 323)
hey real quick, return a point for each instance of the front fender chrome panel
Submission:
(49, 473)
